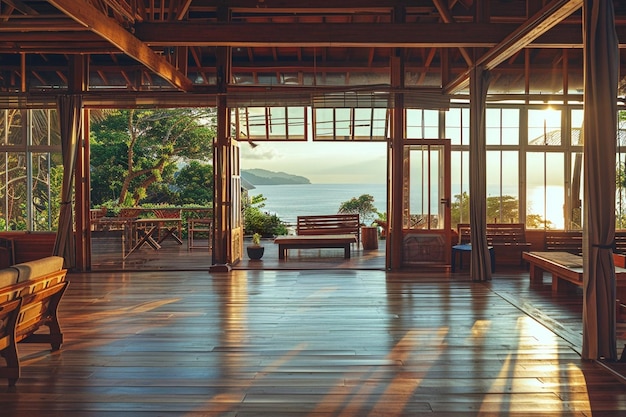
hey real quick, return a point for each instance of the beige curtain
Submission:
(69, 108)
(480, 269)
(599, 130)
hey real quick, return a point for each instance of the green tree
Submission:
(362, 205)
(195, 184)
(136, 151)
(500, 209)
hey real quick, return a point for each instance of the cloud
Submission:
(260, 153)
(322, 163)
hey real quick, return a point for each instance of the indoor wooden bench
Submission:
(342, 241)
(30, 293)
(507, 239)
(565, 267)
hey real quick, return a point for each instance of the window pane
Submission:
(577, 126)
(324, 124)
(460, 187)
(502, 187)
(14, 120)
(457, 126)
(545, 191)
(576, 212)
(296, 120)
(40, 127)
(544, 127)
(15, 191)
(502, 126)
(276, 123)
(422, 124)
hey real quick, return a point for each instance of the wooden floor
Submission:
(315, 343)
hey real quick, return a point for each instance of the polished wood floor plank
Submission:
(314, 343)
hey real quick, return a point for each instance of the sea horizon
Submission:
(288, 201)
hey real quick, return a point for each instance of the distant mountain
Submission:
(264, 177)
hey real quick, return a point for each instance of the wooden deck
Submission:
(107, 256)
(315, 343)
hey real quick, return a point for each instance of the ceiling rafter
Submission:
(540, 23)
(446, 16)
(127, 43)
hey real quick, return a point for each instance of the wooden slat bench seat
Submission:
(572, 241)
(565, 267)
(342, 241)
(507, 239)
(564, 241)
(30, 293)
(329, 224)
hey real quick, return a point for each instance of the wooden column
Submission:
(222, 197)
(77, 84)
(395, 234)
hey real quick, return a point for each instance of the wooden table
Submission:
(142, 232)
(169, 227)
(314, 242)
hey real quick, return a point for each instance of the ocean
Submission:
(290, 201)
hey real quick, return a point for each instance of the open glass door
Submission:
(426, 203)
(236, 244)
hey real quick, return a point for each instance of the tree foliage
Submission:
(138, 152)
(195, 184)
(258, 221)
(503, 209)
(362, 205)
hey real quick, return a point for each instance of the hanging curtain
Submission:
(69, 108)
(599, 130)
(480, 265)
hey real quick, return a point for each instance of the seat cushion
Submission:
(8, 276)
(38, 268)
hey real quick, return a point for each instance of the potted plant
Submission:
(256, 250)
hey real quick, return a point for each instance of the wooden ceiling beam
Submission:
(447, 18)
(21, 7)
(540, 23)
(109, 29)
(237, 34)
(47, 24)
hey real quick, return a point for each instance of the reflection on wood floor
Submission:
(107, 256)
(314, 343)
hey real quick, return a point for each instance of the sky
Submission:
(321, 163)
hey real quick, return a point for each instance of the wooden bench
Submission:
(572, 241)
(507, 239)
(565, 267)
(564, 241)
(329, 224)
(28, 303)
(342, 241)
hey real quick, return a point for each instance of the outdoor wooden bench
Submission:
(329, 224)
(342, 241)
(507, 239)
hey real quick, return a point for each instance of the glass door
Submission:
(426, 203)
